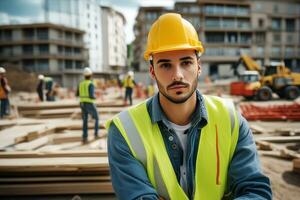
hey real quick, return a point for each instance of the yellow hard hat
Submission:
(171, 32)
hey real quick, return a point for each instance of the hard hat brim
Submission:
(173, 48)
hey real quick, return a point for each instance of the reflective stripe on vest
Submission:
(84, 95)
(146, 144)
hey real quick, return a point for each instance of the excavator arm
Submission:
(249, 64)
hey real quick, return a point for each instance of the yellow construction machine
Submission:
(260, 83)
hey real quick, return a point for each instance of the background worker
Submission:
(128, 84)
(40, 87)
(86, 93)
(181, 144)
(4, 92)
(49, 88)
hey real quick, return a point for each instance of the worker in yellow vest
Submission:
(181, 144)
(128, 84)
(4, 92)
(86, 93)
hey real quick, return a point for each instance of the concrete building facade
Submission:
(84, 15)
(44, 48)
(114, 40)
(265, 30)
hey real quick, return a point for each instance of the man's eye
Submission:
(165, 65)
(186, 63)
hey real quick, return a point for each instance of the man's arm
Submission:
(129, 178)
(91, 91)
(246, 180)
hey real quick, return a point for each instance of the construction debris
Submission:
(271, 112)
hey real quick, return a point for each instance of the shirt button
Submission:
(174, 146)
(171, 138)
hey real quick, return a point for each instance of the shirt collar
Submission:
(200, 114)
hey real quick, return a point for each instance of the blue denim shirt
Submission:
(129, 178)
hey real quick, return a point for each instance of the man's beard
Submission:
(183, 99)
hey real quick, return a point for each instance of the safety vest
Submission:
(128, 82)
(216, 147)
(84, 91)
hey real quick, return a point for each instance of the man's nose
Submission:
(177, 74)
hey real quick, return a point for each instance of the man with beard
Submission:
(181, 144)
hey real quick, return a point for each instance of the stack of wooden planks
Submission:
(47, 110)
(47, 157)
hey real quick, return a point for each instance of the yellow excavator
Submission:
(260, 83)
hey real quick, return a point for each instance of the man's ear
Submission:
(151, 71)
(199, 67)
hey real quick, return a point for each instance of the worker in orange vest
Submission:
(4, 91)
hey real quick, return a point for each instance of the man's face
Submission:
(176, 74)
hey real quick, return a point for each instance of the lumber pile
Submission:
(50, 159)
(47, 157)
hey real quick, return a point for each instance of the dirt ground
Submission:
(285, 183)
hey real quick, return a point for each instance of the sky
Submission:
(130, 8)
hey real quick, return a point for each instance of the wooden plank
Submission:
(56, 188)
(65, 104)
(53, 164)
(49, 154)
(34, 144)
(57, 147)
(256, 129)
(263, 145)
(68, 111)
(280, 139)
(8, 136)
(75, 136)
(53, 179)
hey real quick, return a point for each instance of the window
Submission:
(68, 51)
(244, 24)
(232, 37)
(28, 33)
(78, 65)
(77, 51)
(260, 23)
(260, 37)
(27, 49)
(7, 51)
(43, 65)
(228, 23)
(276, 38)
(275, 8)
(275, 51)
(44, 48)
(42, 33)
(276, 23)
(243, 11)
(245, 38)
(68, 35)
(69, 64)
(290, 25)
(28, 65)
(214, 37)
(210, 22)
(290, 39)
(289, 51)
(60, 50)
